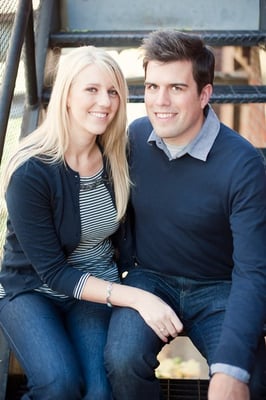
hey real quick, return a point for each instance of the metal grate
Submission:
(184, 389)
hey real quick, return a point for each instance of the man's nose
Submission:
(163, 97)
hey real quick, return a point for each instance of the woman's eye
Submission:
(113, 92)
(91, 89)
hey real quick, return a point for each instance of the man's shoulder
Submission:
(140, 126)
(236, 142)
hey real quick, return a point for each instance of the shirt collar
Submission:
(201, 145)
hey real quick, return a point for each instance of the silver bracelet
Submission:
(109, 292)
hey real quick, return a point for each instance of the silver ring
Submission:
(162, 329)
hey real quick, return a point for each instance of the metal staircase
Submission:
(131, 39)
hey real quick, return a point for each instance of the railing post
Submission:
(30, 64)
(11, 66)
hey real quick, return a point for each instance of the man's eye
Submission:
(176, 88)
(151, 86)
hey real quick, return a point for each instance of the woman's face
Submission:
(92, 102)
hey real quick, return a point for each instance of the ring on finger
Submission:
(162, 329)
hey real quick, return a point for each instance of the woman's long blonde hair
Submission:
(50, 140)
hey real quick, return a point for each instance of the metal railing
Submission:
(22, 33)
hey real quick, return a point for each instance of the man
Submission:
(199, 213)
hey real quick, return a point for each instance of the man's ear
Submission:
(206, 95)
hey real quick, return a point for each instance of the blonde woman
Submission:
(66, 192)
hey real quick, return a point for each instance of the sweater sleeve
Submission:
(246, 309)
(31, 207)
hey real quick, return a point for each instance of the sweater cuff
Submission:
(80, 286)
(236, 372)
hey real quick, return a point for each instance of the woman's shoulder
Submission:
(37, 165)
(36, 173)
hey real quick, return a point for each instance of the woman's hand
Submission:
(158, 315)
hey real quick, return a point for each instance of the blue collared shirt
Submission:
(201, 145)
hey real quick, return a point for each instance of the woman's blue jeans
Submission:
(59, 344)
(132, 347)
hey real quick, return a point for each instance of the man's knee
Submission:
(258, 390)
(257, 383)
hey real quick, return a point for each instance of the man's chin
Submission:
(162, 133)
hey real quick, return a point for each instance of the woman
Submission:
(66, 190)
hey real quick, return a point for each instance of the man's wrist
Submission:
(236, 372)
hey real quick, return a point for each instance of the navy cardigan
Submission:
(43, 228)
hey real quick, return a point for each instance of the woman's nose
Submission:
(104, 98)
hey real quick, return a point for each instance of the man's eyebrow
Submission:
(169, 84)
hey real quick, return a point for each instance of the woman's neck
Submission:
(87, 162)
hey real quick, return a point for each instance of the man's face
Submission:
(172, 101)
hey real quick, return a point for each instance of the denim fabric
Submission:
(59, 345)
(132, 347)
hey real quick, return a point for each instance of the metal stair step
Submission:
(221, 94)
(245, 38)
(132, 39)
(236, 94)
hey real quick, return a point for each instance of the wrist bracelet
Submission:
(109, 292)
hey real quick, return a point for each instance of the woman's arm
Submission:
(156, 313)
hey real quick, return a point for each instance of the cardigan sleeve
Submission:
(32, 206)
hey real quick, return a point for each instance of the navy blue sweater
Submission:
(206, 220)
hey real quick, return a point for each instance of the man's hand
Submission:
(225, 387)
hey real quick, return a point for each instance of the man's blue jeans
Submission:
(59, 344)
(132, 346)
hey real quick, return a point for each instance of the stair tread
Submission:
(243, 38)
(221, 94)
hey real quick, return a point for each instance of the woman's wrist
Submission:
(108, 294)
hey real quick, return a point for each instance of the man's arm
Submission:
(225, 387)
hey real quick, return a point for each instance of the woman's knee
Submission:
(55, 385)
